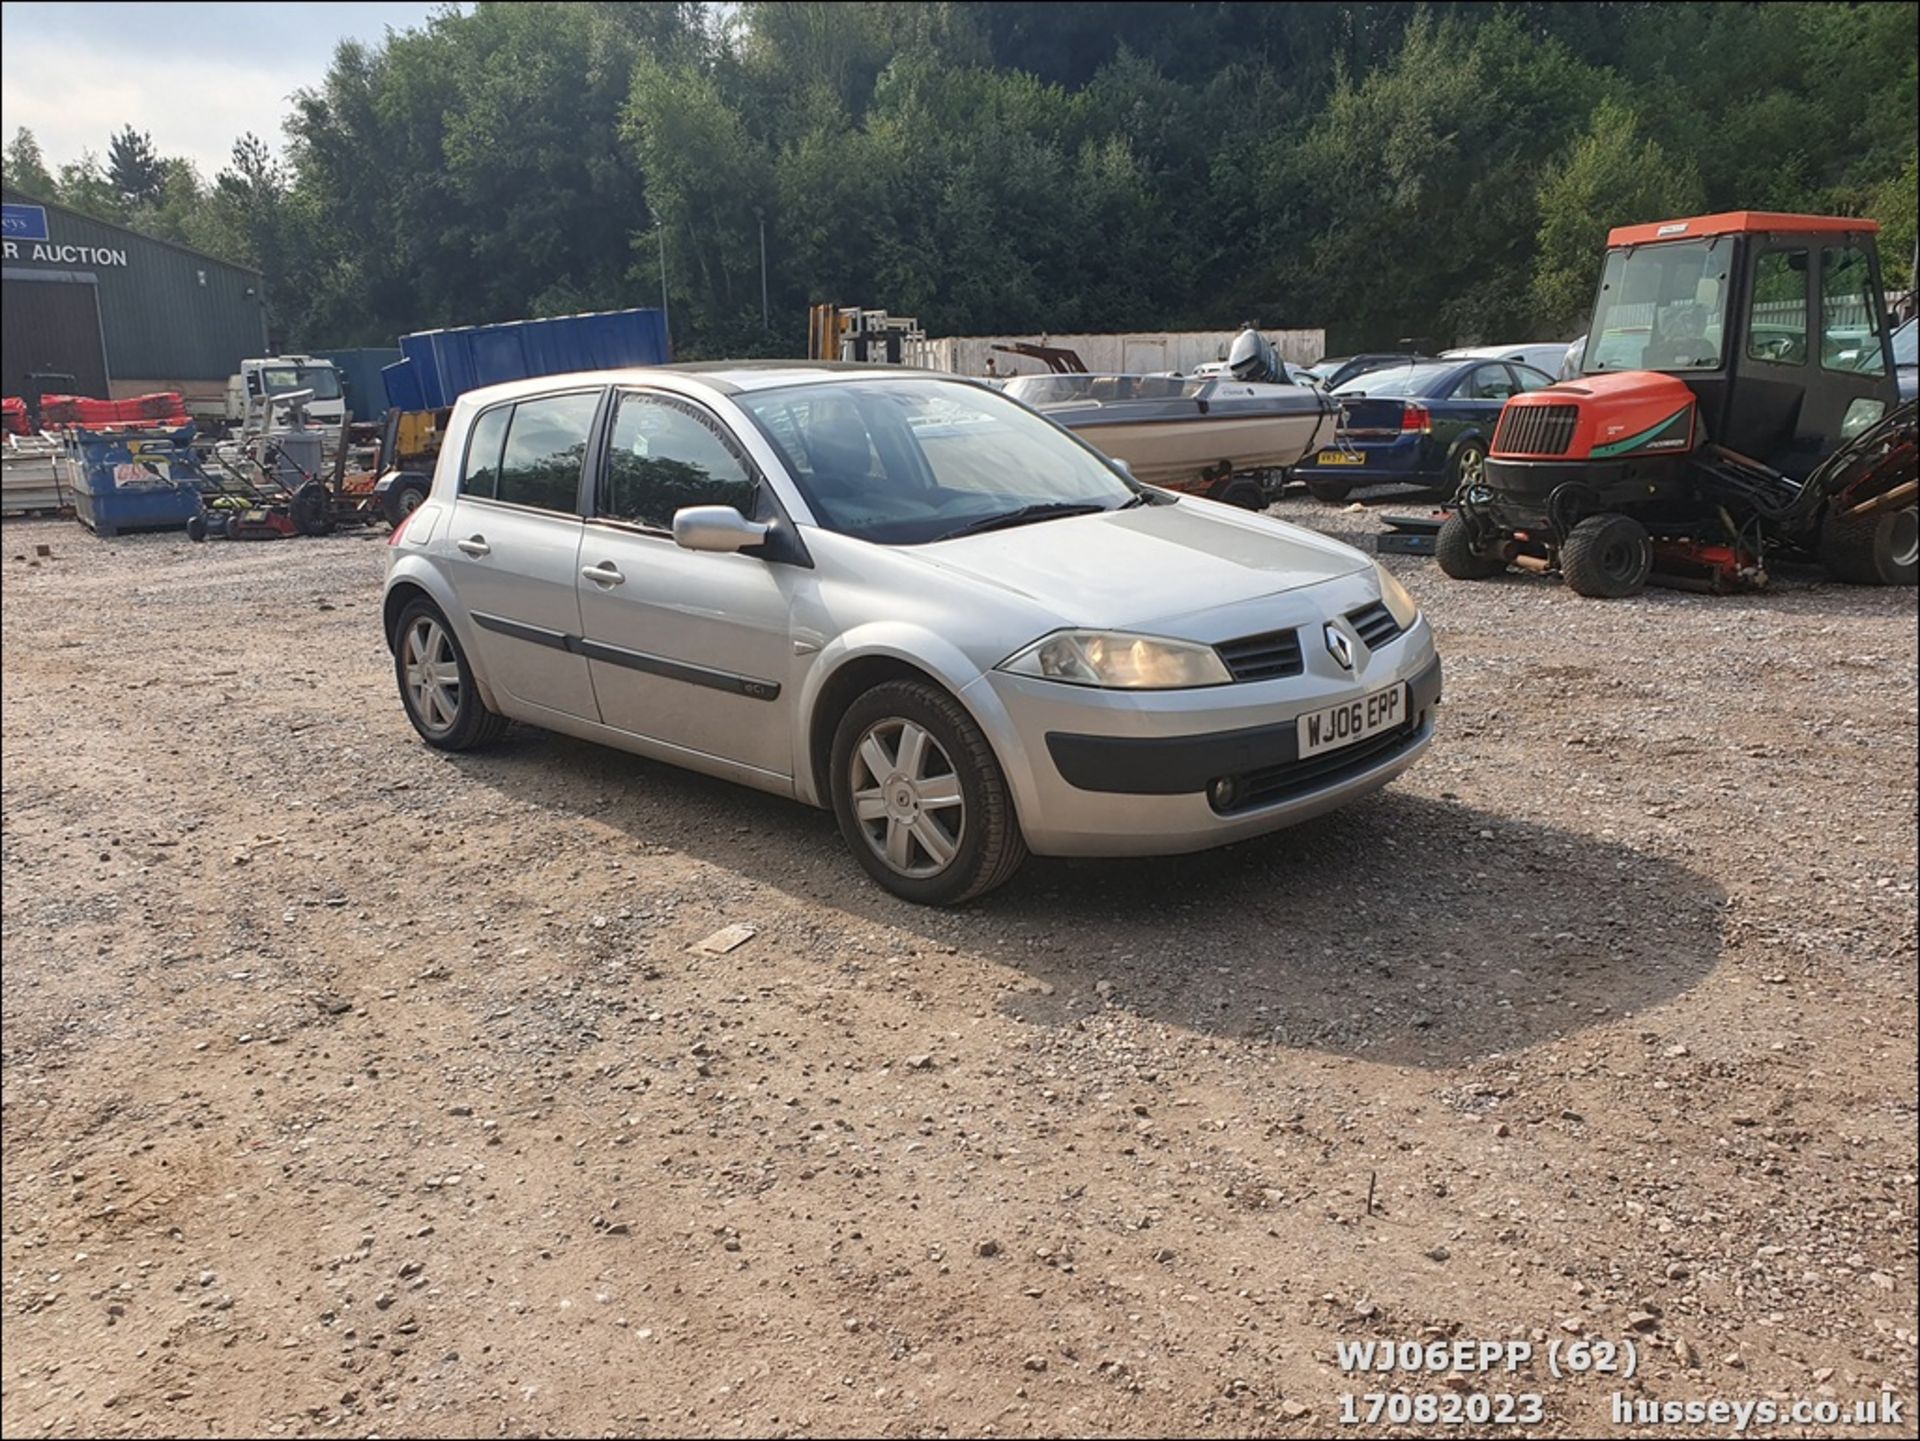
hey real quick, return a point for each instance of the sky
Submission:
(195, 77)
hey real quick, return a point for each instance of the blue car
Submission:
(1427, 424)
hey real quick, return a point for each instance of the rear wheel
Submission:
(1607, 556)
(1460, 556)
(437, 687)
(921, 801)
(1882, 549)
(1331, 491)
(402, 499)
(1468, 467)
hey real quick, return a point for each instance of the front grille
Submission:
(1536, 429)
(1262, 657)
(1374, 624)
(1297, 778)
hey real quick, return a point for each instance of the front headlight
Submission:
(1401, 605)
(1118, 660)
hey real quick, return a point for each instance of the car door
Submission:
(515, 557)
(689, 648)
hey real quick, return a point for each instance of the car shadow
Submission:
(1405, 929)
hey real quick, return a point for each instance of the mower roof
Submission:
(1735, 222)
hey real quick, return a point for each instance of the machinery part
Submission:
(1330, 491)
(197, 527)
(1461, 555)
(1251, 357)
(1879, 547)
(1607, 556)
(311, 509)
(878, 779)
(1708, 568)
(436, 685)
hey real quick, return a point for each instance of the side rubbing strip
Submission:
(678, 670)
(632, 659)
(520, 630)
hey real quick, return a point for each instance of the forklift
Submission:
(1737, 400)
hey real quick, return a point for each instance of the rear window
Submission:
(481, 474)
(1395, 380)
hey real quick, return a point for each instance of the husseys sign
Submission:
(27, 238)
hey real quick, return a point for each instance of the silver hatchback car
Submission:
(902, 596)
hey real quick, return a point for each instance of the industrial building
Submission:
(121, 312)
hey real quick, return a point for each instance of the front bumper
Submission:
(1106, 773)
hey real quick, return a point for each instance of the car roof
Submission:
(720, 377)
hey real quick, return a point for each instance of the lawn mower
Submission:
(1737, 400)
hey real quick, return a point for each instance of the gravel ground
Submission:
(350, 1087)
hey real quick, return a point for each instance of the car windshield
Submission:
(906, 461)
(1395, 380)
(322, 380)
(1904, 344)
(1661, 307)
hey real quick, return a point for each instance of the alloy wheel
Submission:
(907, 798)
(1473, 467)
(433, 675)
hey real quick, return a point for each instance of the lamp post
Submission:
(761, 216)
(666, 320)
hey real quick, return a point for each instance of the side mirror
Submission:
(716, 527)
(1121, 466)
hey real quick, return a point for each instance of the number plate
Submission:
(1340, 457)
(1351, 721)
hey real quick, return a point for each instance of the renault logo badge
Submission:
(1339, 647)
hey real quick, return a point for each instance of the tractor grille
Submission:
(1375, 624)
(1536, 429)
(1262, 657)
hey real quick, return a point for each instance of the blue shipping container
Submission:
(439, 366)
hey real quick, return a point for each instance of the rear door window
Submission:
(1777, 328)
(546, 446)
(1849, 326)
(480, 476)
(666, 454)
(1487, 382)
(1531, 379)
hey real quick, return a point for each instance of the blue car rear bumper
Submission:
(1402, 460)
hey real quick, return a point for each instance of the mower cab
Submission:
(1730, 357)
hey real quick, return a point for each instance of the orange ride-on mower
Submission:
(1736, 400)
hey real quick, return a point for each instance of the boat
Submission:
(1208, 435)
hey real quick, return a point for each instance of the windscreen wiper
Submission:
(1044, 510)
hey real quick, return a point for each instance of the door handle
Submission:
(605, 573)
(474, 545)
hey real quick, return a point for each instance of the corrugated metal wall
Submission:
(168, 313)
(1135, 354)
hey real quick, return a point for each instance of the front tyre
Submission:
(921, 800)
(436, 685)
(1330, 491)
(1460, 555)
(1880, 549)
(1607, 556)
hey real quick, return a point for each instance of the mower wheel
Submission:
(1459, 556)
(436, 684)
(311, 509)
(196, 527)
(1879, 549)
(1331, 491)
(1607, 556)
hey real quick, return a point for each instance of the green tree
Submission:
(136, 171)
(25, 168)
(1612, 175)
